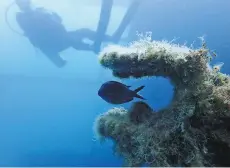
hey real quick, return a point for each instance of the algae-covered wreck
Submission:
(194, 130)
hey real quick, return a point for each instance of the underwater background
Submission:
(47, 113)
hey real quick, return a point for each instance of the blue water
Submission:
(47, 114)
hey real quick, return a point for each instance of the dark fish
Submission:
(117, 93)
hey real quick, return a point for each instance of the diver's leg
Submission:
(82, 46)
(106, 8)
(55, 58)
(77, 37)
(80, 34)
(126, 20)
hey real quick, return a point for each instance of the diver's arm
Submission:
(54, 57)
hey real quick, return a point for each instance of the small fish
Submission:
(117, 93)
(217, 66)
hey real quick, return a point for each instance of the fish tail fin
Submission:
(140, 97)
(137, 90)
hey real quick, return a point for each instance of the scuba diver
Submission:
(106, 9)
(46, 32)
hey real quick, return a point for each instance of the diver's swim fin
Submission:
(105, 14)
(126, 20)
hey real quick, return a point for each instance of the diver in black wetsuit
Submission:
(46, 32)
(105, 15)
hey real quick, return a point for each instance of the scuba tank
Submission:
(54, 17)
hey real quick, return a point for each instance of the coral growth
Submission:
(194, 130)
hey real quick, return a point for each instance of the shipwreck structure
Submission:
(194, 130)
